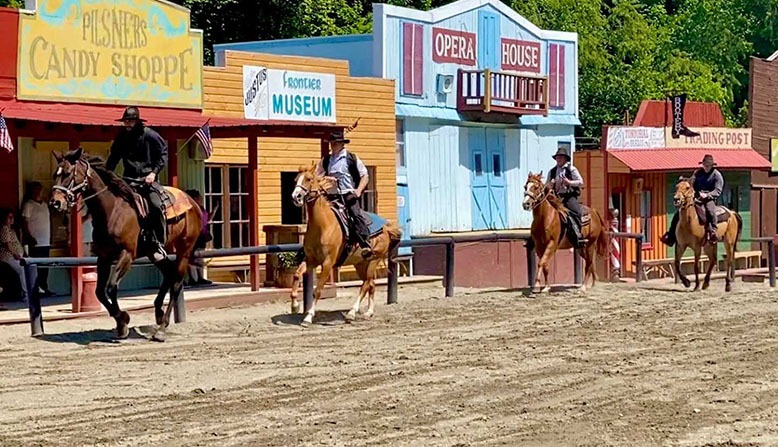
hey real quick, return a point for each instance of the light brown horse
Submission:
(110, 201)
(691, 234)
(324, 243)
(548, 233)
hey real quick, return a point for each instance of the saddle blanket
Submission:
(375, 225)
(174, 203)
(722, 214)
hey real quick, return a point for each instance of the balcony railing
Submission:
(493, 91)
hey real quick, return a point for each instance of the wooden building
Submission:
(763, 119)
(636, 169)
(369, 100)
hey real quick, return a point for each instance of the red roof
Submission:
(683, 159)
(654, 113)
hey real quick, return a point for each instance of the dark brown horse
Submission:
(112, 204)
(548, 232)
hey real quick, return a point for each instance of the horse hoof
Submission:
(295, 309)
(351, 315)
(122, 332)
(160, 316)
(545, 289)
(123, 317)
(728, 288)
(705, 286)
(369, 314)
(307, 321)
(583, 289)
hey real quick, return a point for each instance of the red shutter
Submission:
(553, 55)
(560, 99)
(418, 60)
(407, 80)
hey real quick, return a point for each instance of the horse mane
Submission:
(113, 182)
(556, 202)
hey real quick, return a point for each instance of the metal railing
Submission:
(449, 242)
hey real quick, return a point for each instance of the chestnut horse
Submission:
(112, 204)
(324, 243)
(548, 231)
(690, 233)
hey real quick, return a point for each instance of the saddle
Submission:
(567, 224)
(174, 204)
(722, 214)
(375, 225)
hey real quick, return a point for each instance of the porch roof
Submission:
(684, 159)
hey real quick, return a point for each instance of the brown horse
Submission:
(548, 232)
(690, 233)
(112, 204)
(324, 243)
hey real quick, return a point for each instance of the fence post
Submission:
(391, 286)
(307, 290)
(449, 278)
(771, 261)
(33, 299)
(532, 267)
(577, 267)
(639, 258)
(179, 312)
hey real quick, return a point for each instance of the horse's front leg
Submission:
(298, 275)
(697, 269)
(165, 267)
(545, 259)
(112, 290)
(711, 252)
(175, 277)
(326, 268)
(679, 250)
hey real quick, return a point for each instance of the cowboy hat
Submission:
(562, 151)
(131, 113)
(708, 159)
(338, 137)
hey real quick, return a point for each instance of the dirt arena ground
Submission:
(620, 366)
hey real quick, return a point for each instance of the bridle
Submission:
(311, 195)
(72, 190)
(536, 201)
(686, 201)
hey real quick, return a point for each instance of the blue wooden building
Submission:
(483, 96)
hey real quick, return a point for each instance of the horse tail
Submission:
(739, 231)
(395, 235)
(603, 239)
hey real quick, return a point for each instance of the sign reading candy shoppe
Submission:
(457, 47)
(116, 52)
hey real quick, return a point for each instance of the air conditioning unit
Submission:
(445, 83)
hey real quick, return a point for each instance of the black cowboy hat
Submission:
(338, 137)
(131, 113)
(708, 159)
(562, 151)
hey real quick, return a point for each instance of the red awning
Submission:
(683, 159)
(106, 115)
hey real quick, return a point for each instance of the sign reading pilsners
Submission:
(118, 52)
(288, 95)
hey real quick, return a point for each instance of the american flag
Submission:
(5, 137)
(204, 135)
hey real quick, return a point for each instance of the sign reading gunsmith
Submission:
(127, 52)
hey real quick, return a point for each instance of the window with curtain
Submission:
(226, 191)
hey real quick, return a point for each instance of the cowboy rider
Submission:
(567, 183)
(707, 183)
(144, 153)
(352, 178)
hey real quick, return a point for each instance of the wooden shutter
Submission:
(412, 59)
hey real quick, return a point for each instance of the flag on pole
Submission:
(5, 137)
(204, 135)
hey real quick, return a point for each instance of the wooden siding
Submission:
(763, 120)
(652, 249)
(370, 99)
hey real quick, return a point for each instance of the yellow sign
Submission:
(125, 52)
(774, 154)
(710, 138)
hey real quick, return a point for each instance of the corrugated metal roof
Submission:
(534, 120)
(106, 115)
(653, 113)
(683, 159)
(441, 113)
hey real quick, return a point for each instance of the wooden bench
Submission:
(664, 266)
(753, 259)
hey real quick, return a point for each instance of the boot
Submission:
(367, 251)
(668, 239)
(712, 236)
(157, 236)
(575, 236)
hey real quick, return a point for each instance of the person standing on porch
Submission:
(11, 250)
(36, 229)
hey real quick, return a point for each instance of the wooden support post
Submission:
(172, 162)
(76, 248)
(253, 211)
(487, 90)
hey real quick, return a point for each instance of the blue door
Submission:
(488, 40)
(495, 144)
(479, 179)
(404, 215)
